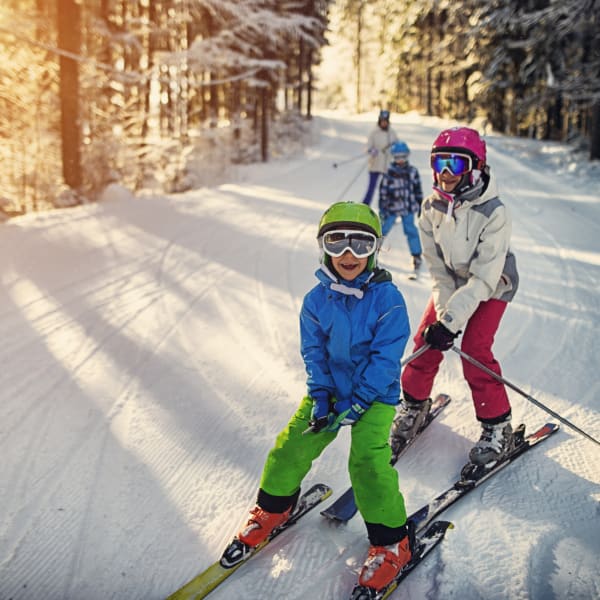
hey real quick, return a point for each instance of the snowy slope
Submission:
(150, 356)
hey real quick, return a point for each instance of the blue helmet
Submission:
(400, 149)
(384, 115)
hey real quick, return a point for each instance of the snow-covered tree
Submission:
(528, 68)
(141, 84)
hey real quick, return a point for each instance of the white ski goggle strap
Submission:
(360, 243)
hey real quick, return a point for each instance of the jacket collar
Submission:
(356, 287)
(451, 202)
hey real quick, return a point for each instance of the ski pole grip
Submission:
(316, 425)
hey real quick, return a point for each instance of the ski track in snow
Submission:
(151, 356)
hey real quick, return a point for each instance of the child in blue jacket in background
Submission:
(354, 328)
(401, 194)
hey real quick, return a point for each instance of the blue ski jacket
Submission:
(400, 192)
(353, 335)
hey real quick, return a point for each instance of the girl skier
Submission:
(465, 231)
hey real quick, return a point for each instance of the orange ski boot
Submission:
(260, 525)
(384, 563)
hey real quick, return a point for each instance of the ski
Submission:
(464, 485)
(425, 543)
(469, 480)
(344, 508)
(205, 582)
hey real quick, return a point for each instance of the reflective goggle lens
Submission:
(457, 164)
(360, 243)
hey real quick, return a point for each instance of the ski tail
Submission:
(205, 582)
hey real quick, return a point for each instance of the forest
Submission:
(131, 91)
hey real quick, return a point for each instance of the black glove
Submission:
(439, 337)
(321, 415)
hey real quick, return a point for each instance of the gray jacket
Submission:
(468, 255)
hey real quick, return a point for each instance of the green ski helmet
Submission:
(350, 215)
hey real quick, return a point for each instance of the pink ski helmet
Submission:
(462, 139)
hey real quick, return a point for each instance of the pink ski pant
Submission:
(489, 396)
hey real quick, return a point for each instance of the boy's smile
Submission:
(348, 266)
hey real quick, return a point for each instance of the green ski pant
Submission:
(374, 480)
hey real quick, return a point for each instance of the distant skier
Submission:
(465, 231)
(401, 194)
(354, 328)
(378, 146)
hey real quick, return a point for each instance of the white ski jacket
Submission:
(380, 140)
(468, 254)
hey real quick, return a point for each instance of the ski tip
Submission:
(438, 528)
(442, 398)
(340, 514)
(544, 431)
(332, 517)
(319, 487)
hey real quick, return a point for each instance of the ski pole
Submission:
(350, 184)
(362, 154)
(343, 162)
(311, 426)
(520, 391)
(414, 355)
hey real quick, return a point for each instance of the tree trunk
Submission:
(69, 39)
(309, 85)
(264, 129)
(358, 57)
(595, 133)
(429, 68)
(300, 79)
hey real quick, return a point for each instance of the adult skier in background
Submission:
(400, 195)
(465, 231)
(354, 328)
(378, 146)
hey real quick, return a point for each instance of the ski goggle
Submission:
(457, 164)
(360, 243)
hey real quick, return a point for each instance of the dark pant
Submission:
(373, 180)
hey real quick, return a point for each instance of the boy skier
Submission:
(354, 328)
(401, 194)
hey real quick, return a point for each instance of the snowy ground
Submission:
(150, 356)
